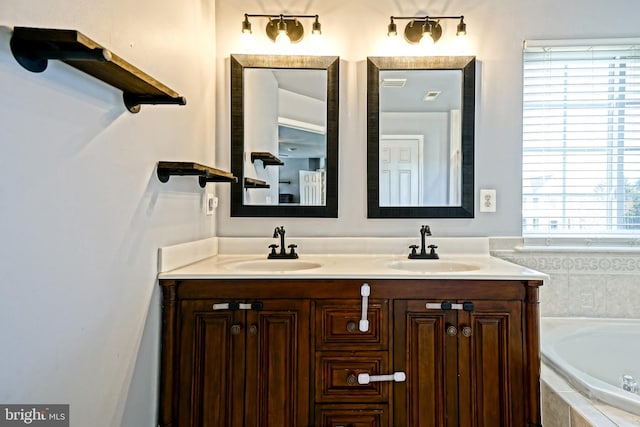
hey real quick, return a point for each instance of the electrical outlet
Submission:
(211, 202)
(487, 200)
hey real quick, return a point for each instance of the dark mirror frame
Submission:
(238, 64)
(374, 65)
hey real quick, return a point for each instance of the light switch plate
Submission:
(487, 200)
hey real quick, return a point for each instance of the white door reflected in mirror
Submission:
(401, 170)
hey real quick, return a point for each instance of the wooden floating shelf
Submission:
(268, 159)
(255, 183)
(204, 173)
(34, 47)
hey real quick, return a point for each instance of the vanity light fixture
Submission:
(421, 27)
(283, 28)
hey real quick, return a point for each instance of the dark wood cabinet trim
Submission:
(168, 367)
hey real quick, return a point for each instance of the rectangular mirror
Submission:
(284, 135)
(420, 137)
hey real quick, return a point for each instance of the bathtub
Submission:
(594, 356)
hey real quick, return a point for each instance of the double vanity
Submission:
(353, 332)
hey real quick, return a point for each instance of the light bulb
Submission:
(246, 38)
(283, 39)
(426, 40)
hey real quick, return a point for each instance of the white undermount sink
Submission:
(432, 266)
(274, 265)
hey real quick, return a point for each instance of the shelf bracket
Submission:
(133, 101)
(205, 174)
(35, 56)
(254, 183)
(34, 47)
(267, 159)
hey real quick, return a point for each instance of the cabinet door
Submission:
(491, 365)
(211, 374)
(277, 364)
(428, 356)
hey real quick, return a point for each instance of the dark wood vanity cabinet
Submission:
(290, 351)
(237, 366)
(464, 368)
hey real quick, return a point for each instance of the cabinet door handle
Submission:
(446, 305)
(253, 330)
(236, 329)
(352, 327)
(452, 331)
(234, 305)
(365, 291)
(466, 331)
(396, 376)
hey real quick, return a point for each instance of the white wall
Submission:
(261, 134)
(354, 31)
(82, 212)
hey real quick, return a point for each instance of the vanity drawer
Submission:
(352, 415)
(337, 377)
(337, 322)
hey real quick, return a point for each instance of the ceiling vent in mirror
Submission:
(393, 82)
(431, 95)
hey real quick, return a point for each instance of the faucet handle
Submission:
(433, 253)
(413, 249)
(292, 251)
(273, 247)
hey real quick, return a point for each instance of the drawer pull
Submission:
(365, 291)
(396, 376)
(352, 379)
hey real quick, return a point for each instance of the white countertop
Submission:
(236, 258)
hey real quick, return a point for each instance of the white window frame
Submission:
(564, 228)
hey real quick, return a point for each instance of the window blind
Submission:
(581, 139)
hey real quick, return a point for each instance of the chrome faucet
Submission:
(425, 230)
(279, 232)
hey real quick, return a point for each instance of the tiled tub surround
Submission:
(563, 406)
(583, 282)
(573, 348)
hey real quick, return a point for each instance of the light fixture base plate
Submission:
(295, 31)
(413, 31)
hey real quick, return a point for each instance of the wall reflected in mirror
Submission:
(285, 115)
(284, 135)
(420, 136)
